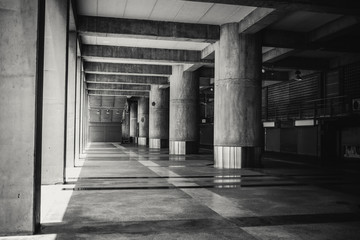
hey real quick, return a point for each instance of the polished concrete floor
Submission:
(128, 192)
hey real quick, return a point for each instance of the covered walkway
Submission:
(131, 192)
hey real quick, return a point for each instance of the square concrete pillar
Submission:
(21, 66)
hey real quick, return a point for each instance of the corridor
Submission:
(130, 192)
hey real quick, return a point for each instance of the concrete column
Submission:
(159, 117)
(71, 88)
(143, 120)
(237, 120)
(21, 58)
(184, 112)
(126, 124)
(133, 122)
(77, 111)
(82, 118)
(53, 155)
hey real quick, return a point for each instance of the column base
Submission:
(158, 143)
(143, 141)
(237, 157)
(183, 147)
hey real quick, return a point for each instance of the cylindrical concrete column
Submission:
(125, 127)
(133, 122)
(159, 117)
(237, 121)
(184, 104)
(143, 120)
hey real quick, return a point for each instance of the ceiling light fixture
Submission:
(298, 76)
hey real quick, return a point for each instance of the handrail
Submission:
(317, 108)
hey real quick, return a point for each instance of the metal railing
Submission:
(313, 109)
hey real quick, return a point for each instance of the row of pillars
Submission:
(238, 136)
(169, 118)
(43, 119)
(41, 124)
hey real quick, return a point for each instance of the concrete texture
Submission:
(71, 94)
(155, 55)
(127, 192)
(133, 119)
(118, 87)
(159, 117)
(138, 69)
(53, 154)
(143, 120)
(237, 108)
(126, 124)
(18, 73)
(77, 110)
(118, 93)
(126, 79)
(148, 29)
(184, 118)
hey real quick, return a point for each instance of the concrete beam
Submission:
(333, 28)
(291, 41)
(118, 87)
(260, 18)
(104, 26)
(300, 63)
(124, 79)
(208, 52)
(345, 7)
(284, 39)
(277, 54)
(127, 69)
(192, 67)
(117, 93)
(310, 40)
(133, 54)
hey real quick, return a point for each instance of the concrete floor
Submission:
(127, 192)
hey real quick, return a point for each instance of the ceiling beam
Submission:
(117, 93)
(345, 7)
(127, 69)
(277, 54)
(120, 27)
(311, 40)
(259, 19)
(141, 55)
(299, 63)
(125, 79)
(118, 87)
(209, 52)
(289, 43)
(333, 29)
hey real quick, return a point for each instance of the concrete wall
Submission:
(19, 208)
(54, 92)
(296, 140)
(105, 132)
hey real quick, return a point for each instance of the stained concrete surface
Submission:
(128, 192)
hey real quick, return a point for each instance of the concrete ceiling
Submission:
(302, 21)
(302, 32)
(165, 10)
(143, 43)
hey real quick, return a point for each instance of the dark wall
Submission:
(105, 132)
(296, 140)
(207, 134)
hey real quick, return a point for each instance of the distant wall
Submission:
(296, 140)
(105, 132)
